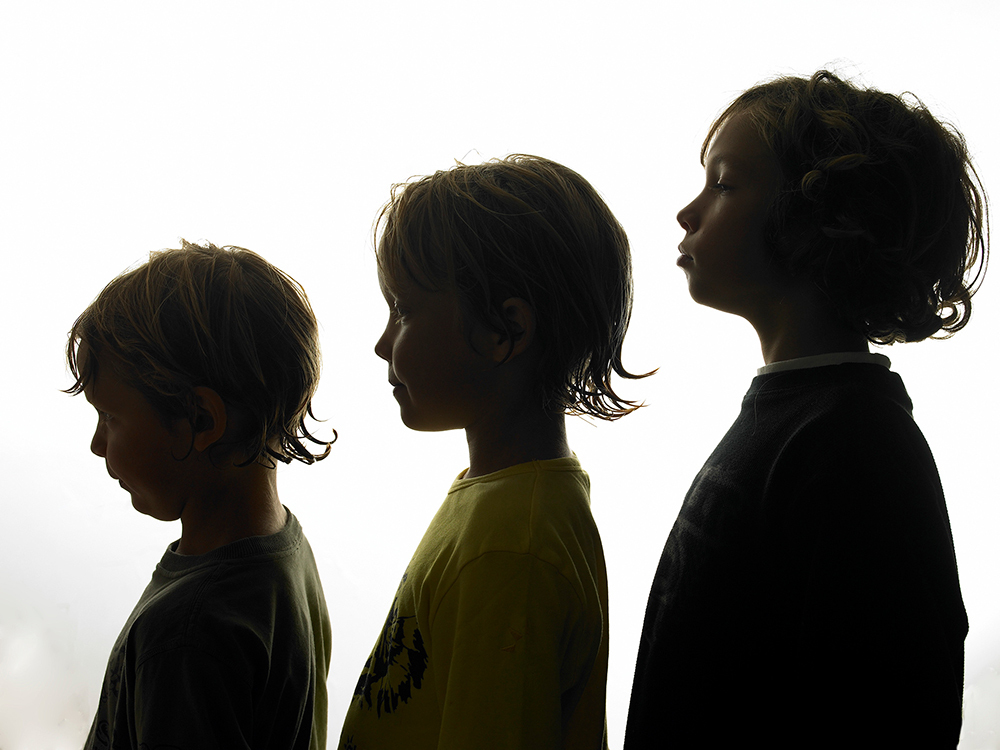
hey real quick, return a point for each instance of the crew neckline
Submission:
(823, 360)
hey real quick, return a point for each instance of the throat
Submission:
(539, 438)
(801, 325)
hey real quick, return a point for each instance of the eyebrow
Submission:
(92, 402)
(729, 160)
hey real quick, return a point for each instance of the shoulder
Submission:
(522, 507)
(866, 402)
(538, 510)
(231, 602)
(853, 448)
(861, 417)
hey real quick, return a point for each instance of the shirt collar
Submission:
(822, 360)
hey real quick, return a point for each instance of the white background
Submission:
(128, 125)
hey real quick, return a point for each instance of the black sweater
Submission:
(808, 594)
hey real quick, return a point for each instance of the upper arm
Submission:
(876, 620)
(185, 698)
(511, 637)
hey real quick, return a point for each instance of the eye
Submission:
(721, 187)
(103, 416)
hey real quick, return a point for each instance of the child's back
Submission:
(201, 364)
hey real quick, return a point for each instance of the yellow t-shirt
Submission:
(498, 634)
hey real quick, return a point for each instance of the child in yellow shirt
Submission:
(509, 291)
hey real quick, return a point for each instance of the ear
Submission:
(210, 417)
(520, 317)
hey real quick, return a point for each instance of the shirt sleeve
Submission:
(879, 624)
(513, 642)
(186, 699)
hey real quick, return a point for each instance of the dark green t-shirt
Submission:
(225, 650)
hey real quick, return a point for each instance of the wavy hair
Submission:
(224, 318)
(881, 206)
(523, 227)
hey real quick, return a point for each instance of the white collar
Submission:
(821, 360)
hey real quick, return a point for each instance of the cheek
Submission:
(394, 346)
(119, 454)
(409, 359)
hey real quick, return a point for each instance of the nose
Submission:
(383, 347)
(686, 217)
(99, 443)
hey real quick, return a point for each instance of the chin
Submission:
(160, 514)
(700, 298)
(424, 427)
(415, 423)
(707, 299)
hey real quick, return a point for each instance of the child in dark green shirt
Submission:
(201, 365)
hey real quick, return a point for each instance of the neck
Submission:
(801, 326)
(530, 436)
(237, 503)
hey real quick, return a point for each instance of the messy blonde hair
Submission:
(523, 227)
(881, 206)
(223, 318)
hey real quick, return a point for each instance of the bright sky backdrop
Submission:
(280, 127)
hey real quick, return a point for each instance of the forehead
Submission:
(397, 280)
(103, 378)
(737, 143)
(106, 382)
(88, 366)
(390, 285)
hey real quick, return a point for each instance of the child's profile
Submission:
(808, 593)
(201, 364)
(509, 291)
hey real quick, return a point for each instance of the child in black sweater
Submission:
(808, 594)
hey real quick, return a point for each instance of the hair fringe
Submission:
(526, 227)
(222, 318)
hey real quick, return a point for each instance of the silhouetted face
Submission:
(723, 252)
(138, 449)
(439, 380)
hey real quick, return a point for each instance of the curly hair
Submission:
(523, 227)
(881, 206)
(224, 318)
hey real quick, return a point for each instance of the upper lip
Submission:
(683, 251)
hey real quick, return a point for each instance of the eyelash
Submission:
(721, 187)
